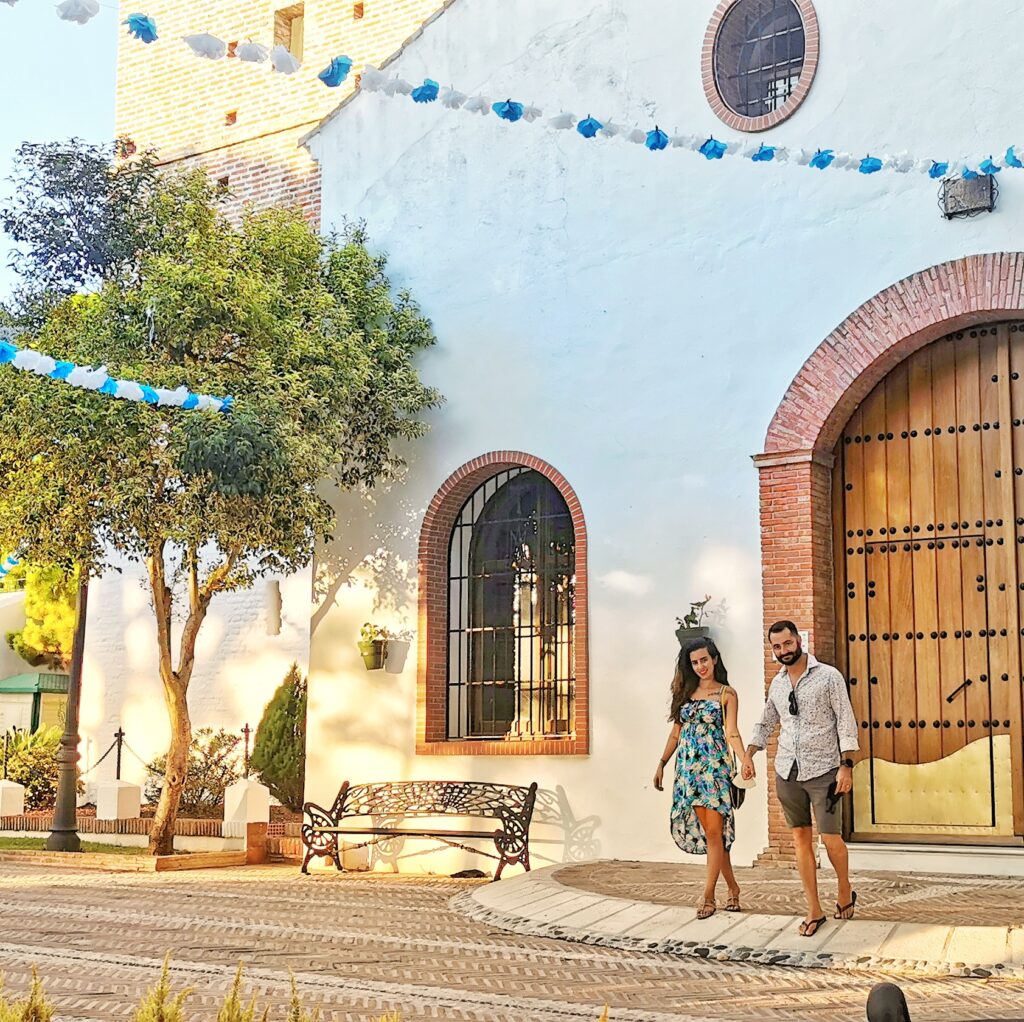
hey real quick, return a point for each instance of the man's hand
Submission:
(844, 780)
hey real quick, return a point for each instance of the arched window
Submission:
(761, 55)
(503, 612)
(512, 576)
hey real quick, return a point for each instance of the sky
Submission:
(56, 81)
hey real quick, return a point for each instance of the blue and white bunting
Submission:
(97, 379)
(9, 563)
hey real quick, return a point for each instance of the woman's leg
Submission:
(711, 822)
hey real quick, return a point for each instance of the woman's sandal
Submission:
(706, 910)
(841, 910)
(733, 904)
(809, 927)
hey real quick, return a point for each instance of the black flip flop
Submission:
(840, 909)
(810, 927)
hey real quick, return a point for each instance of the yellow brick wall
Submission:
(178, 103)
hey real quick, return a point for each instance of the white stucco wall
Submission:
(12, 619)
(634, 319)
(239, 664)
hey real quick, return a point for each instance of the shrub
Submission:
(279, 750)
(49, 628)
(34, 1008)
(212, 766)
(32, 761)
(158, 1005)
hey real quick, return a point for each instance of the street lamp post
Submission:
(64, 834)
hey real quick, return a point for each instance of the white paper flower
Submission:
(172, 398)
(371, 79)
(283, 62)
(128, 390)
(27, 360)
(532, 113)
(254, 53)
(203, 44)
(563, 121)
(45, 366)
(637, 136)
(452, 98)
(78, 11)
(477, 105)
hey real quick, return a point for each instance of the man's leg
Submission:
(838, 855)
(803, 842)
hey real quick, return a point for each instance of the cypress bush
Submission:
(279, 749)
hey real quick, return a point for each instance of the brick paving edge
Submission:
(466, 904)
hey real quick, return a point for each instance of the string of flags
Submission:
(203, 44)
(98, 380)
(9, 563)
(711, 148)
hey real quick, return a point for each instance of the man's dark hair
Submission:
(783, 626)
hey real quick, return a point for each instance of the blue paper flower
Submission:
(988, 167)
(764, 155)
(425, 93)
(190, 402)
(938, 170)
(149, 395)
(227, 404)
(1011, 159)
(870, 165)
(712, 149)
(7, 352)
(589, 126)
(62, 370)
(336, 72)
(110, 387)
(970, 175)
(822, 159)
(141, 26)
(508, 110)
(656, 139)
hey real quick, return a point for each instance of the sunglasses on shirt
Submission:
(794, 708)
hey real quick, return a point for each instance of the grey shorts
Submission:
(797, 797)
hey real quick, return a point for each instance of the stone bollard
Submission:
(118, 800)
(248, 802)
(12, 798)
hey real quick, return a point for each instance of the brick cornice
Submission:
(432, 667)
(885, 330)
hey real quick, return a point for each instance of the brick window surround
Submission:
(810, 66)
(796, 464)
(432, 670)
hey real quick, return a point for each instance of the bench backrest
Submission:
(435, 798)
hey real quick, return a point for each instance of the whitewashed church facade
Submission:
(619, 332)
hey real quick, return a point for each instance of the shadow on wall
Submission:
(376, 546)
(557, 836)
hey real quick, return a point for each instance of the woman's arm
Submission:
(732, 731)
(670, 747)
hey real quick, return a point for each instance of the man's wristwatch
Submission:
(847, 763)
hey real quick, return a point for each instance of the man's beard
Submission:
(788, 659)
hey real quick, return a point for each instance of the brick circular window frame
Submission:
(807, 72)
(433, 566)
(796, 465)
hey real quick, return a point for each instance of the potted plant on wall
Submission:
(692, 626)
(373, 646)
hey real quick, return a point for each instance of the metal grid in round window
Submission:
(763, 54)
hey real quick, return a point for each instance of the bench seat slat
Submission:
(404, 832)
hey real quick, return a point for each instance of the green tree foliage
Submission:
(305, 332)
(32, 761)
(49, 614)
(213, 764)
(279, 749)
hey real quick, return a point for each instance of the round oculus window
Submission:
(759, 59)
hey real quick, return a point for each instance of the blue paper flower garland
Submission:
(88, 378)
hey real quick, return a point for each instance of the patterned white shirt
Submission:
(823, 728)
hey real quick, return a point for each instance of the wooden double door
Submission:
(929, 554)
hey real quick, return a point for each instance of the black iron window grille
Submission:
(759, 55)
(511, 612)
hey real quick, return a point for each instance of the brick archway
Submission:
(796, 465)
(432, 666)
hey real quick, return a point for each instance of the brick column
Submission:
(797, 579)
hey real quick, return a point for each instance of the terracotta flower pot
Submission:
(374, 653)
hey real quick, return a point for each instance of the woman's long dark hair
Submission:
(685, 680)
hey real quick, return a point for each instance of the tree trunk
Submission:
(161, 835)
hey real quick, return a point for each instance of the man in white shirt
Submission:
(813, 769)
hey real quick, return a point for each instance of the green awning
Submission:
(35, 683)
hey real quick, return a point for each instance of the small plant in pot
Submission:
(373, 646)
(696, 624)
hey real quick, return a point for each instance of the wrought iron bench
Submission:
(388, 804)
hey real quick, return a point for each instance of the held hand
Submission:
(747, 772)
(844, 780)
(659, 776)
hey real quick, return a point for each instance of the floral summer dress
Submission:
(703, 773)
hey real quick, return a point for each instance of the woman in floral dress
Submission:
(704, 729)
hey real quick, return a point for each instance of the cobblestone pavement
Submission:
(918, 898)
(363, 945)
